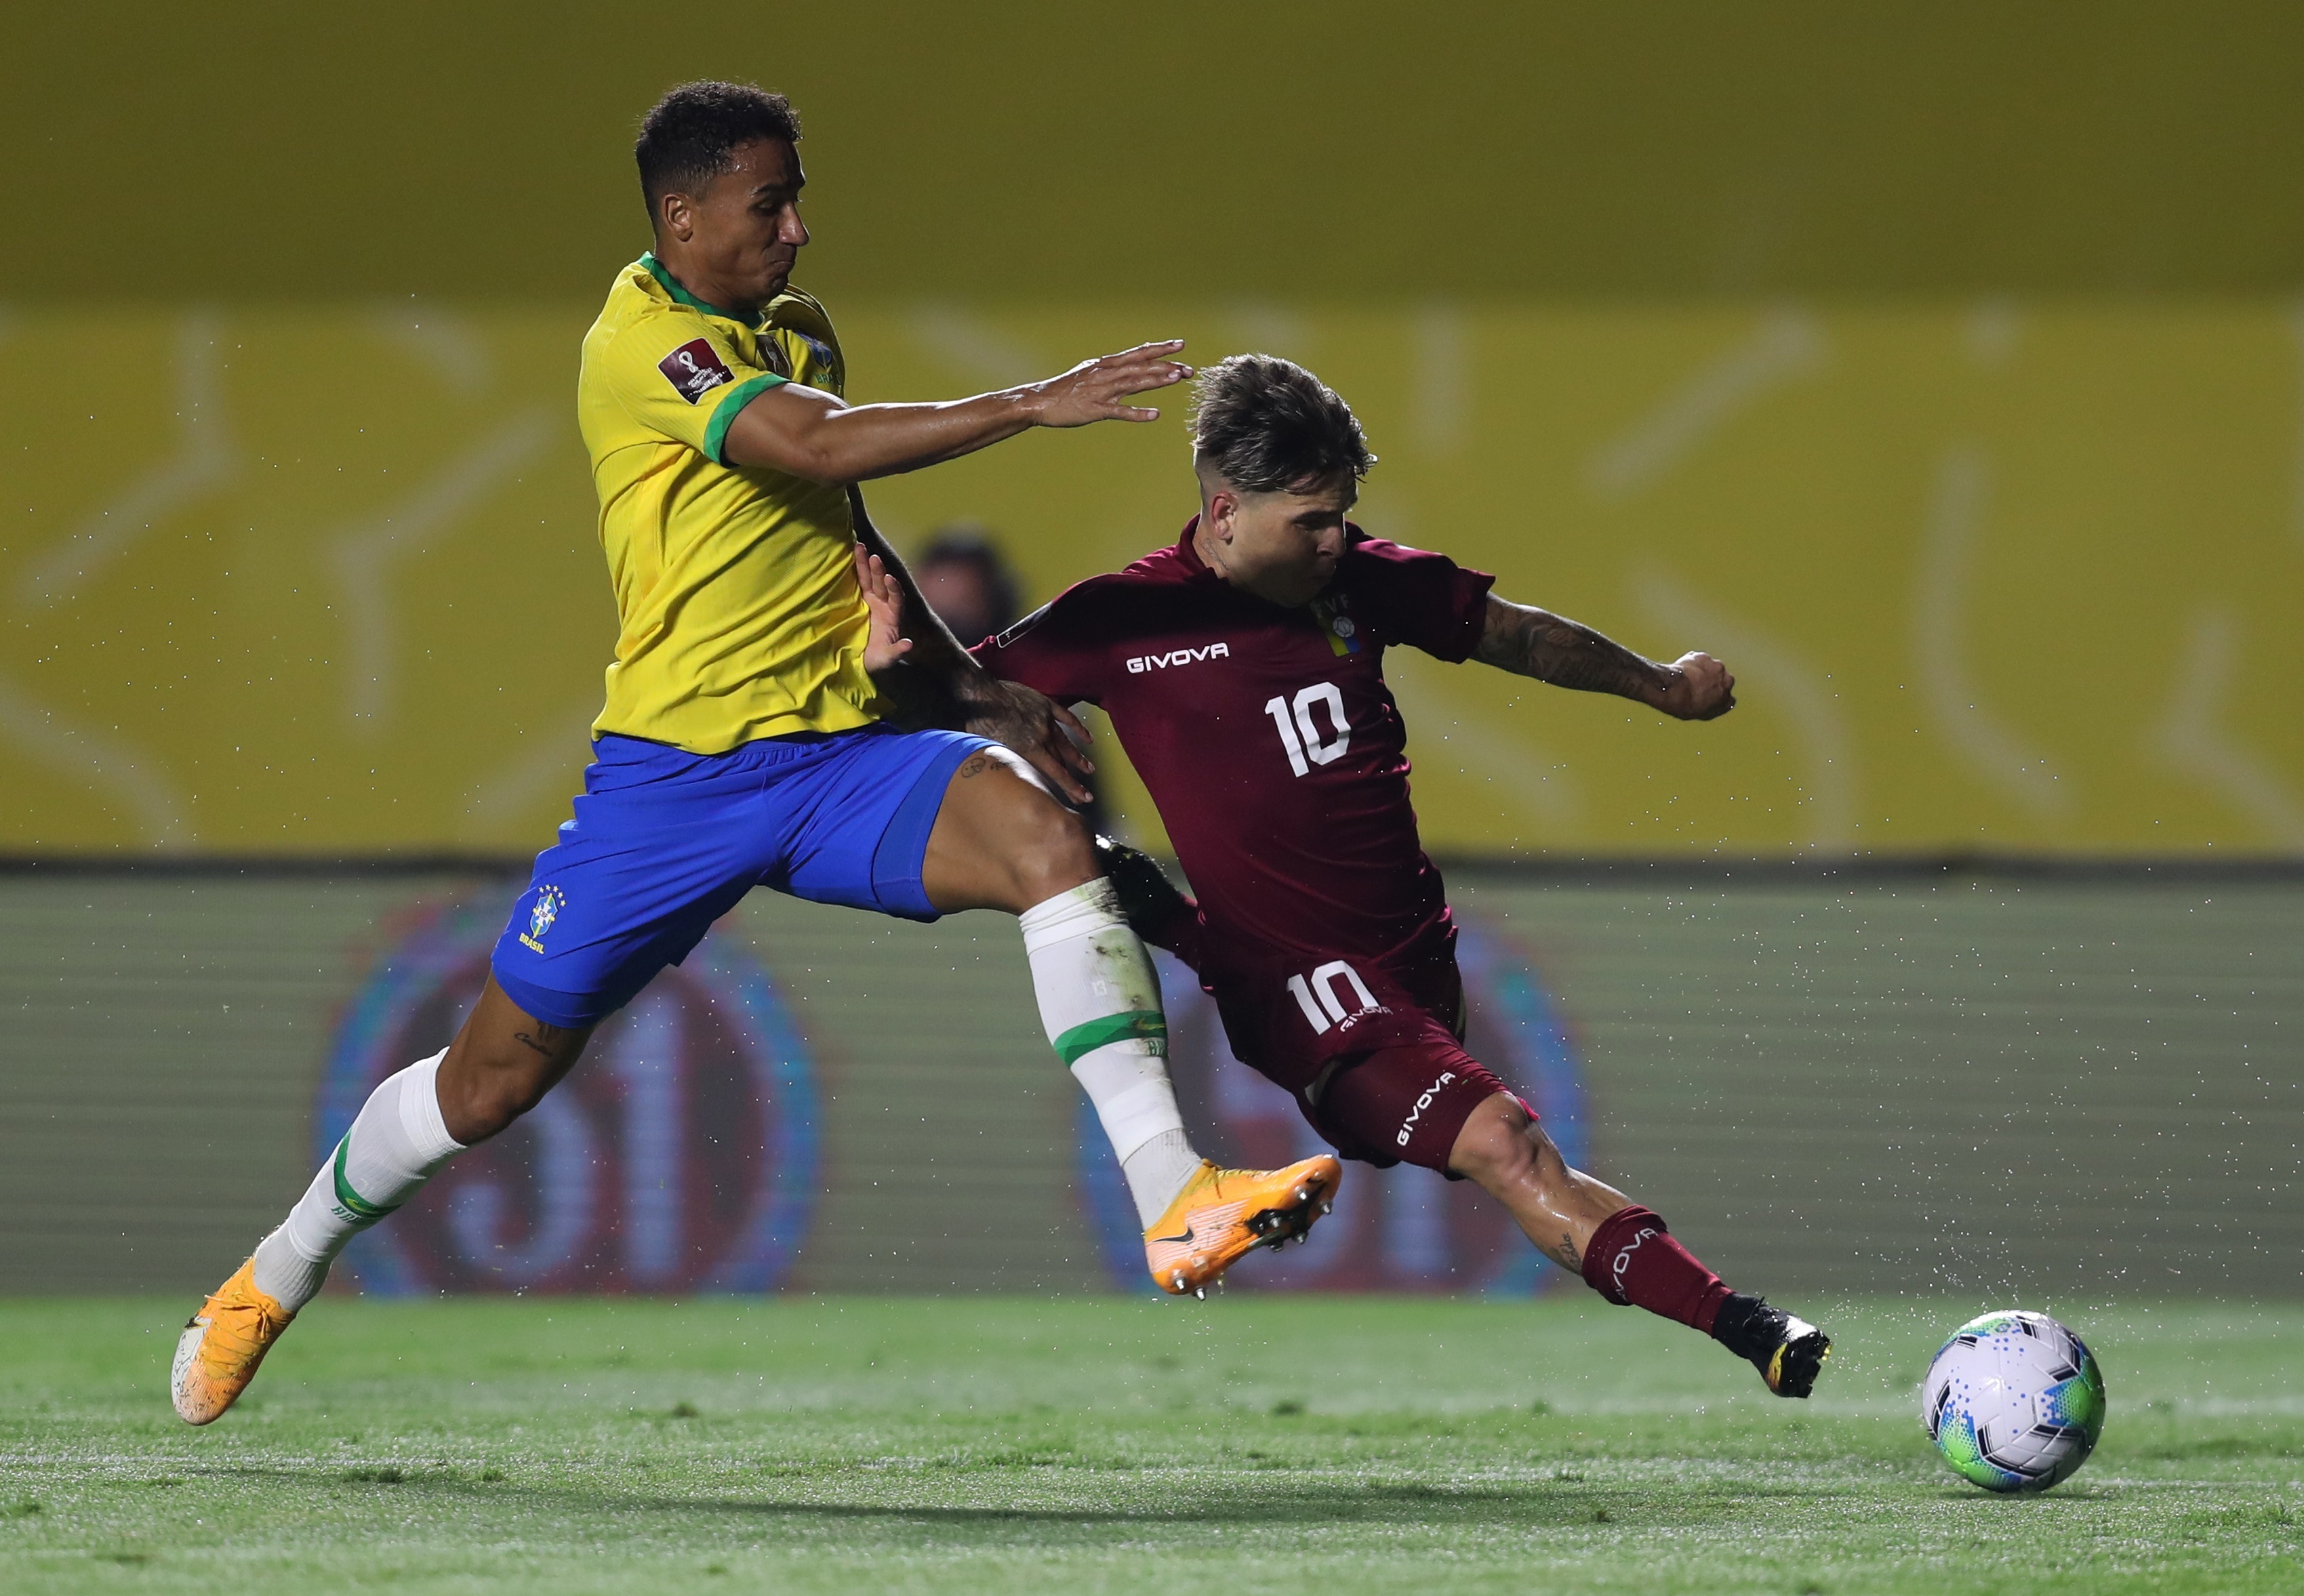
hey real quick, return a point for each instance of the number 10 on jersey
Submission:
(1299, 729)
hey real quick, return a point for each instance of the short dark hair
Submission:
(689, 136)
(1268, 425)
(965, 543)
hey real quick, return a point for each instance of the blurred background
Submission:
(1941, 367)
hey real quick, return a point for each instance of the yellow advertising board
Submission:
(1999, 575)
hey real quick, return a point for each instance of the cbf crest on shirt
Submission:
(738, 611)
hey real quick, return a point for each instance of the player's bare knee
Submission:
(491, 1104)
(1054, 853)
(487, 1085)
(1494, 1149)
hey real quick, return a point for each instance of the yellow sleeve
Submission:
(681, 377)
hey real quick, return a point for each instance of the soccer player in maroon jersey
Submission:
(1243, 672)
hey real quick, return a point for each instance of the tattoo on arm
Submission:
(1531, 642)
(1568, 1256)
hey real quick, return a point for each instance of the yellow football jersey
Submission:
(739, 612)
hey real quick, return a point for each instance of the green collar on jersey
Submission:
(671, 286)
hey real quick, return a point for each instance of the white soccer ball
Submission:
(2014, 1401)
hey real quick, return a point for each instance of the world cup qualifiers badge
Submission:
(549, 902)
(694, 369)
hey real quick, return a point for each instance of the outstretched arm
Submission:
(1531, 642)
(809, 432)
(915, 659)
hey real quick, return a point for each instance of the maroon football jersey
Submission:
(1279, 763)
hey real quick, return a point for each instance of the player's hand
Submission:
(884, 598)
(1093, 390)
(1701, 689)
(1043, 731)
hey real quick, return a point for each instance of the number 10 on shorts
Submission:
(1321, 982)
(1311, 748)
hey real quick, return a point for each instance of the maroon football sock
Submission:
(1633, 1262)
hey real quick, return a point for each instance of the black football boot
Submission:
(1788, 1352)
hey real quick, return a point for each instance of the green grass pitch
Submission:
(1083, 1445)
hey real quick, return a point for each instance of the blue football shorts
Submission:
(665, 843)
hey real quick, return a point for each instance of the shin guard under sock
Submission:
(1100, 1003)
(396, 1144)
(1634, 1263)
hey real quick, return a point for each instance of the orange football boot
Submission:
(217, 1354)
(1221, 1213)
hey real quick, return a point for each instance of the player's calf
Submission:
(1502, 1149)
(1633, 1261)
(1623, 1250)
(502, 1063)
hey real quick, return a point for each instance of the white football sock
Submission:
(398, 1143)
(1157, 1171)
(1100, 1003)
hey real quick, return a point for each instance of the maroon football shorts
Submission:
(1402, 1104)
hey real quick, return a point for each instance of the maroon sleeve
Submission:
(1058, 649)
(1422, 599)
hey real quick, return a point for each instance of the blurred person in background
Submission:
(964, 577)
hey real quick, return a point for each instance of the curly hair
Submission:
(1267, 426)
(689, 136)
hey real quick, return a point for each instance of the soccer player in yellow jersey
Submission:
(747, 738)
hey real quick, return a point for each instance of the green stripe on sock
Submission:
(358, 1206)
(1081, 1040)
